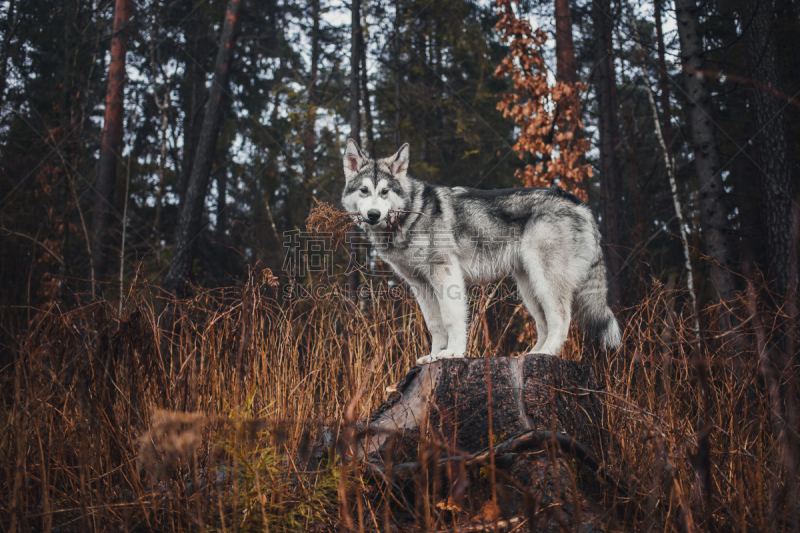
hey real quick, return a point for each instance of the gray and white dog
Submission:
(442, 239)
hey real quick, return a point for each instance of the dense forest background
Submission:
(159, 161)
(124, 141)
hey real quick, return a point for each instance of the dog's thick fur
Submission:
(444, 239)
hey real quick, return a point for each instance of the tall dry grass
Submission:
(204, 413)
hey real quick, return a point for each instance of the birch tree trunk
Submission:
(191, 214)
(610, 177)
(713, 209)
(365, 97)
(111, 141)
(663, 79)
(669, 164)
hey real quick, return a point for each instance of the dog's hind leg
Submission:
(554, 294)
(529, 298)
(558, 315)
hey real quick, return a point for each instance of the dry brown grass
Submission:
(205, 417)
(327, 219)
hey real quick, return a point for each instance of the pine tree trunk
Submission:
(780, 217)
(566, 68)
(221, 177)
(610, 177)
(713, 210)
(163, 107)
(310, 138)
(191, 214)
(355, 110)
(194, 98)
(111, 140)
(5, 51)
(772, 146)
(396, 61)
(355, 119)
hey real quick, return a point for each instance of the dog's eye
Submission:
(384, 192)
(364, 190)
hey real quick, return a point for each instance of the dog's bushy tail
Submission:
(591, 306)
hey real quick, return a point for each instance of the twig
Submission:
(35, 241)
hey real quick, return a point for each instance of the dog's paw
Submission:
(449, 354)
(425, 359)
(540, 352)
(443, 354)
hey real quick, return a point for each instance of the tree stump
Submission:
(546, 439)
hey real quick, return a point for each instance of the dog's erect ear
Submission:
(399, 162)
(353, 158)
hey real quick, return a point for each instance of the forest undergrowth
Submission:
(207, 413)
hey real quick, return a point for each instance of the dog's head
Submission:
(373, 188)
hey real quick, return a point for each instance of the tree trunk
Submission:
(365, 91)
(5, 51)
(739, 156)
(355, 122)
(162, 106)
(190, 219)
(355, 110)
(111, 140)
(221, 177)
(669, 163)
(663, 80)
(451, 418)
(566, 68)
(194, 98)
(713, 210)
(772, 145)
(610, 177)
(396, 61)
(310, 138)
(780, 217)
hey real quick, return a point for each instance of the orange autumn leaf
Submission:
(548, 116)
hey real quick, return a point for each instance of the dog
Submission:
(442, 239)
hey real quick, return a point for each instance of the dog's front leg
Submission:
(448, 284)
(429, 305)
